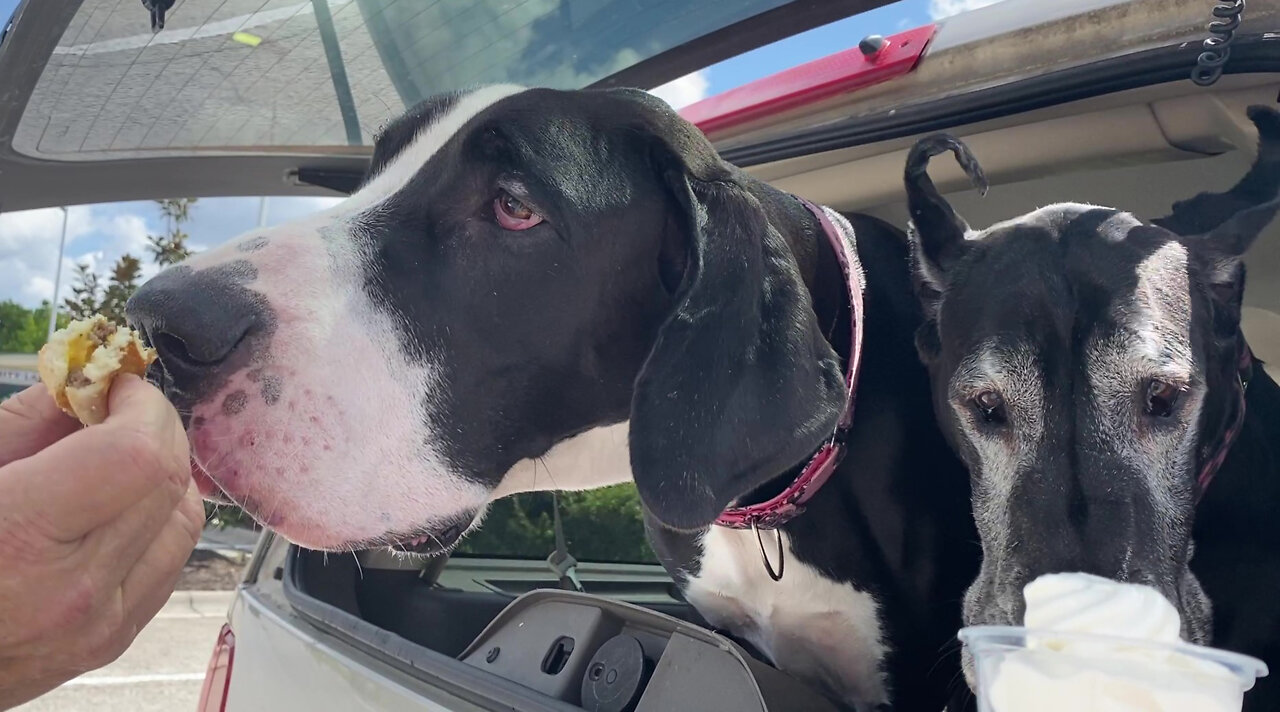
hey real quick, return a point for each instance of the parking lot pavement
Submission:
(229, 539)
(160, 673)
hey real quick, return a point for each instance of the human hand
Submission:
(95, 526)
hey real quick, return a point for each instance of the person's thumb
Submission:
(30, 422)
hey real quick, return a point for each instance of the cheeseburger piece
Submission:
(80, 362)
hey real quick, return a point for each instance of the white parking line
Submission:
(137, 679)
(212, 29)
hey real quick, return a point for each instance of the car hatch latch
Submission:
(560, 560)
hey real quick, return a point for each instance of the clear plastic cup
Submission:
(1024, 670)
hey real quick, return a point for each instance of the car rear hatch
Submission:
(271, 98)
(284, 98)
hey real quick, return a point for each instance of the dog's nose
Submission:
(195, 320)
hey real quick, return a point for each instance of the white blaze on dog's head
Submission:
(1153, 348)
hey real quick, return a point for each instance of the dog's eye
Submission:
(1162, 398)
(990, 405)
(513, 214)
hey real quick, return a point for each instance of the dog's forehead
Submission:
(579, 142)
(1069, 221)
(1065, 273)
(568, 141)
(1145, 274)
(556, 116)
(395, 136)
(1150, 325)
(1011, 283)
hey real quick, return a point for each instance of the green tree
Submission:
(171, 248)
(16, 323)
(226, 515)
(23, 330)
(121, 285)
(86, 290)
(40, 325)
(605, 525)
(599, 525)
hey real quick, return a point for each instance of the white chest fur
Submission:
(809, 625)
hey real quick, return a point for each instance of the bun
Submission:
(81, 361)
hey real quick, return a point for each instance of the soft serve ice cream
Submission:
(1135, 668)
(1080, 603)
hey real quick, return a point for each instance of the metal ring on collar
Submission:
(782, 559)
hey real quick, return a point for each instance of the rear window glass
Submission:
(602, 526)
(284, 74)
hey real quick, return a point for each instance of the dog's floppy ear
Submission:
(937, 233)
(1220, 228)
(740, 385)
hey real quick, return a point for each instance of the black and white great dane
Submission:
(539, 289)
(1090, 369)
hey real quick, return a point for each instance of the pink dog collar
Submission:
(778, 510)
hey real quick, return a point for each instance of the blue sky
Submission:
(99, 234)
(818, 43)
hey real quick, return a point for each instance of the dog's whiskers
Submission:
(957, 683)
(211, 463)
(275, 504)
(355, 558)
(221, 439)
(546, 467)
(436, 539)
(945, 651)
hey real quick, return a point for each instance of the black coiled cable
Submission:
(1217, 47)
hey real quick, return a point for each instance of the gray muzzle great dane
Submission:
(1089, 368)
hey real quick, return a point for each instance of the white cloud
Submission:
(100, 234)
(129, 233)
(18, 230)
(939, 9)
(97, 261)
(689, 89)
(37, 288)
(29, 248)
